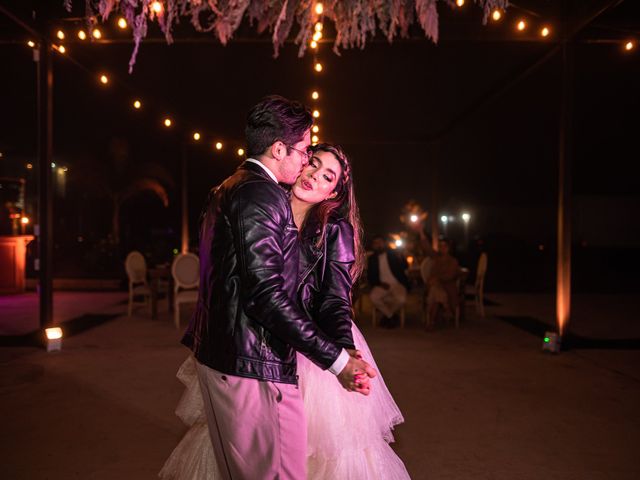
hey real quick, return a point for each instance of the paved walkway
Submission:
(481, 402)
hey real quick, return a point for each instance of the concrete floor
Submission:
(481, 402)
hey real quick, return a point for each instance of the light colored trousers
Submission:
(389, 301)
(258, 428)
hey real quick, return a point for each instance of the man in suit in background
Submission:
(388, 280)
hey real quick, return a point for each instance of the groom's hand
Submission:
(355, 376)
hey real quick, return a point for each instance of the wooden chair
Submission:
(136, 268)
(185, 271)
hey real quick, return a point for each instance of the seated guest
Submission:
(442, 281)
(388, 281)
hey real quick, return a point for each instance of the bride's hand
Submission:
(355, 353)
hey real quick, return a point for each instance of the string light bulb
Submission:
(29, 166)
(240, 152)
(318, 67)
(314, 139)
(61, 49)
(104, 79)
(545, 31)
(315, 95)
(315, 129)
(460, 3)
(31, 43)
(318, 27)
(156, 7)
(97, 34)
(82, 35)
(317, 36)
(122, 23)
(137, 104)
(218, 145)
(167, 122)
(196, 136)
(319, 8)
(629, 45)
(316, 114)
(521, 26)
(496, 15)
(314, 44)
(60, 34)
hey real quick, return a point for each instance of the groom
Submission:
(247, 325)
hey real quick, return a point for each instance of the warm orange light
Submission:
(496, 15)
(521, 25)
(314, 44)
(122, 23)
(319, 8)
(82, 35)
(156, 7)
(629, 45)
(97, 34)
(318, 27)
(316, 114)
(104, 79)
(53, 333)
(318, 67)
(61, 49)
(315, 129)
(60, 34)
(218, 145)
(31, 43)
(167, 122)
(196, 136)
(545, 31)
(317, 36)
(24, 220)
(29, 166)
(137, 104)
(460, 2)
(314, 139)
(240, 152)
(315, 95)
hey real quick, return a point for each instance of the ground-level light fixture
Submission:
(551, 342)
(54, 339)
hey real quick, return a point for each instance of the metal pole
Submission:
(563, 277)
(45, 158)
(185, 211)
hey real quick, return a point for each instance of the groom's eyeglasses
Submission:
(305, 153)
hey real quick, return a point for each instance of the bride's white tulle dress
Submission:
(348, 434)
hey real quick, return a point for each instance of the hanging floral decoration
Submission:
(355, 21)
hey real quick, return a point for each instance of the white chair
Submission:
(186, 278)
(374, 316)
(136, 268)
(478, 287)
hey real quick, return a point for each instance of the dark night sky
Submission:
(382, 104)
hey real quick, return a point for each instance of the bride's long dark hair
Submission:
(343, 204)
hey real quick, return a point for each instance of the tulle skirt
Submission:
(348, 433)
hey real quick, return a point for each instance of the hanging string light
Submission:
(60, 49)
(167, 122)
(496, 15)
(521, 26)
(31, 43)
(137, 104)
(104, 79)
(196, 136)
(315, 95)
(319, 8)
(545, 31)
(60, 34)
(629, 46)
(316, 114)
(122, 23)
(218, 145)
(240, 152)
(460, 3)
(97, 34)
(315, 129)
(318, 67)
(82, 35)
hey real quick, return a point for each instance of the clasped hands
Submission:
(356, 375)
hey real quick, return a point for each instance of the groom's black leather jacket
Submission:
(247, 321)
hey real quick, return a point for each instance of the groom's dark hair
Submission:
(276, 118)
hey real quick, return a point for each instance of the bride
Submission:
(348, 434)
